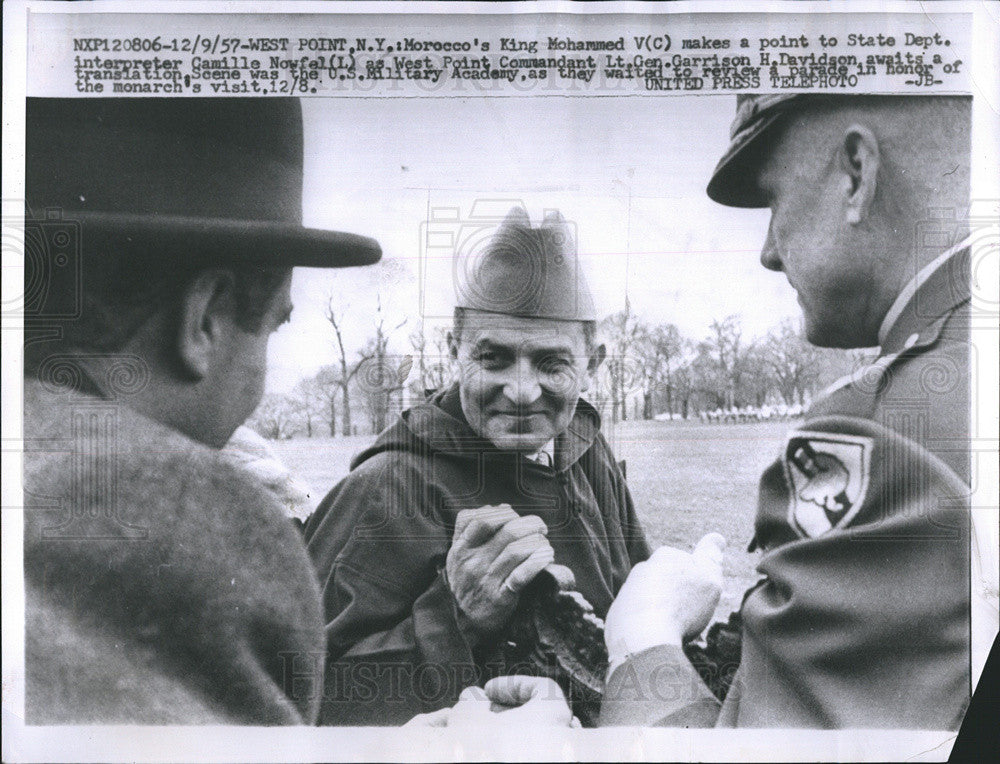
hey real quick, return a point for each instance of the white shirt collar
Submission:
(545, 455)
(913, 285)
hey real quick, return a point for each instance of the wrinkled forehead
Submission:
(525, 334)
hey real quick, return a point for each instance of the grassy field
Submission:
(686, 478)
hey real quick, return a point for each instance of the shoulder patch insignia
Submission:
(827, 476)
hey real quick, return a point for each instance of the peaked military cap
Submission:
(734, 180)
(215, 180)
(527, 272)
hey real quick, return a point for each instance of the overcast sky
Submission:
(386, 167)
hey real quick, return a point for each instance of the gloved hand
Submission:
(666, 600)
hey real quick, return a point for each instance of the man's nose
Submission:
(522, 386)
(769, 256)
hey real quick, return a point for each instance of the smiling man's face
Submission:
(520, 378)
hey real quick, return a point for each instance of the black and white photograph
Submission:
(422, 381)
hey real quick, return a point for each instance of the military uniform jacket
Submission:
(398, 645)
(861, 618)
(163, 585)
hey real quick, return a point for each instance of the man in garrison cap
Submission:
(424, 548)
(163, 584)
(862, 615)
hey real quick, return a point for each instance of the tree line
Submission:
(651, 371)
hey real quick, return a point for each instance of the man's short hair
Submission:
(589, 329)
(119, 298)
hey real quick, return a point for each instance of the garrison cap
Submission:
(733, 182)
(527, 272)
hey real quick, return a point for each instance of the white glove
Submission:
(667, 599)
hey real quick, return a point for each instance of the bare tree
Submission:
(273, 417)
(418, 342)
(347, 371)
(683, 388)
(308, 401)
(794, 363)
(381, 375)
(706, 378)
(659, 352)
(327, 381)
(431, 358)
(440, 369)
(622, 331)
(757, 374)
(727, 353)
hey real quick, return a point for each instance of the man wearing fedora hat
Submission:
(162, 583)
(861, 618)
(423, 550)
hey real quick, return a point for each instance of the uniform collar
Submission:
(936, 289)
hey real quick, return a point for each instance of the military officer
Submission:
(861, 618)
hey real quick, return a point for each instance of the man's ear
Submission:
(452, 346)
(205, 313)
(859, 162)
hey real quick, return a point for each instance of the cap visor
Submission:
(734, 181)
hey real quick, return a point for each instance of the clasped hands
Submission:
(495, 553)
(515, 701)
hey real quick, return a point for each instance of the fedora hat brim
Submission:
(215, 241)
(206, 181)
